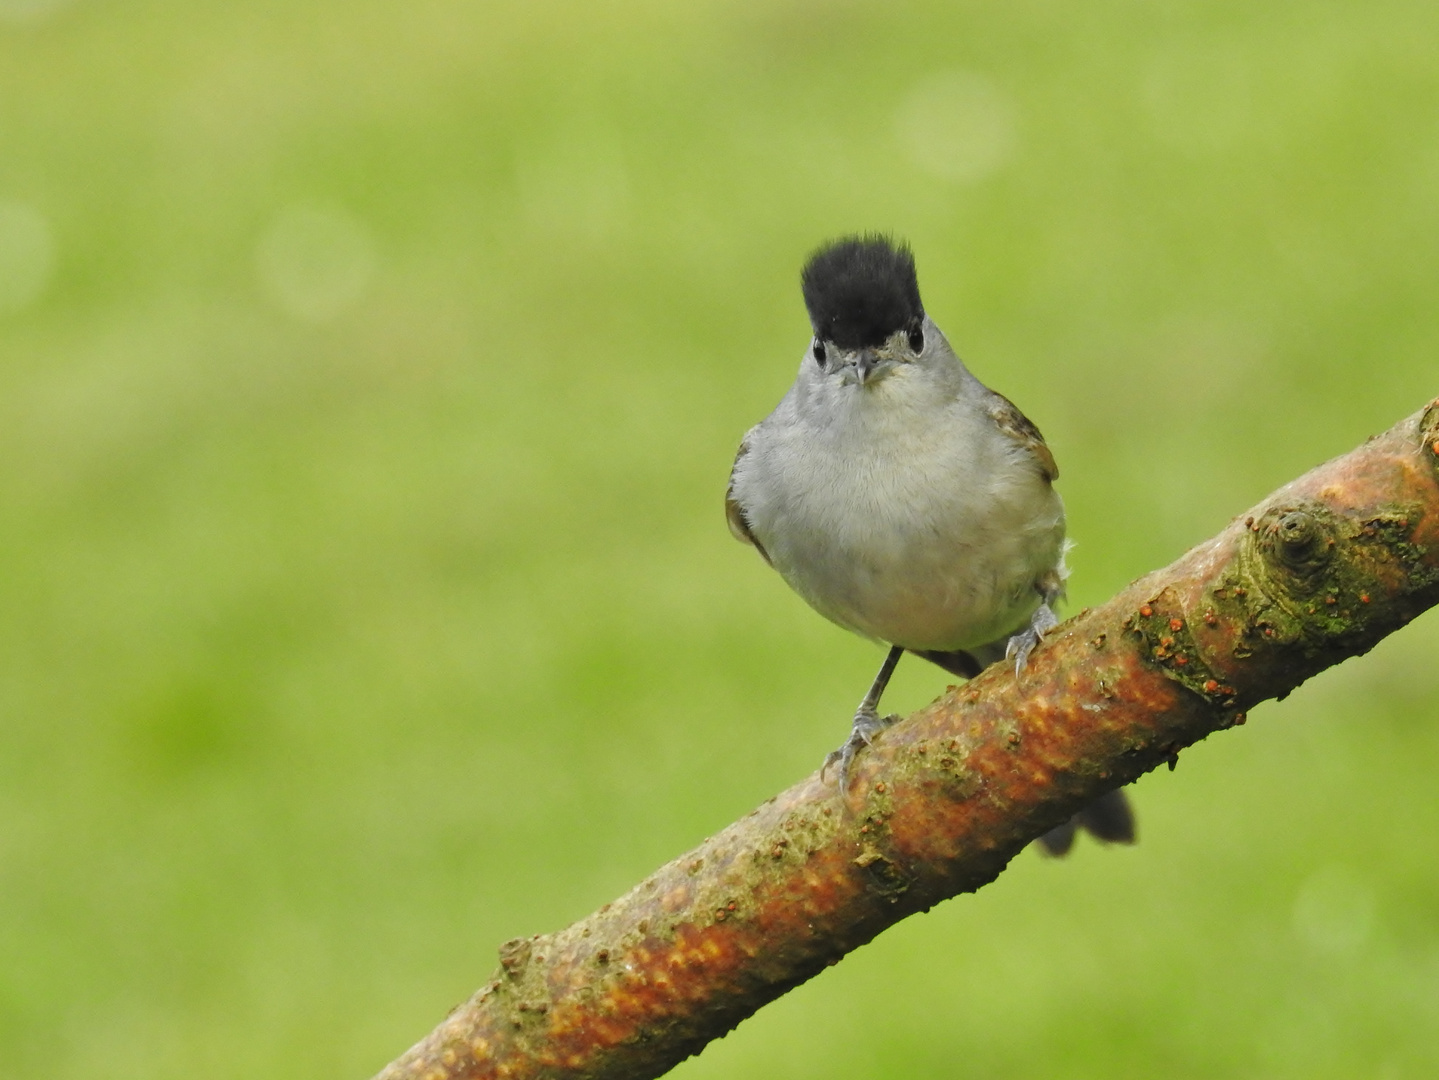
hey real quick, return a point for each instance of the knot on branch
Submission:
(1294, 547)
(1298, 585)
(1305, 578)
(1301, 587)
(1301, 544)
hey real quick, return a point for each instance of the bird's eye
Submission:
(818, 351)
(916, 339)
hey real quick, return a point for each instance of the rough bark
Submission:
(1318, 572)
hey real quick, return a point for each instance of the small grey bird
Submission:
(902, 498)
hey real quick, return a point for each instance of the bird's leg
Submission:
(867, 721)
(1021, 644)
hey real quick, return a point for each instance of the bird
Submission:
(903, 499)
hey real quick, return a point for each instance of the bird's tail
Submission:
(1108, 818)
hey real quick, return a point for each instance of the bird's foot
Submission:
(867, 724)
(1022, 644)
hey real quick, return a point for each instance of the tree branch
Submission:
(1320, 571)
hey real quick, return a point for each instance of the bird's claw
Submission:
(867, 724)
(1023, 643)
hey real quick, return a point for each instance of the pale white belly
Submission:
(922, 541)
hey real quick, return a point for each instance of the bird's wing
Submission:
(1021, 429)
(734, 514)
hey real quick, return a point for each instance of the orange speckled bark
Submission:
(1318, 572)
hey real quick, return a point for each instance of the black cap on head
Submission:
(860, 290)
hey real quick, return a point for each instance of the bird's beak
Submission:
(864, 364)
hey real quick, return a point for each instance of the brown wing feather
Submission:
(1021, 429)
(734, 515)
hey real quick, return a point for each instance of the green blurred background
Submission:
(369, 379)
